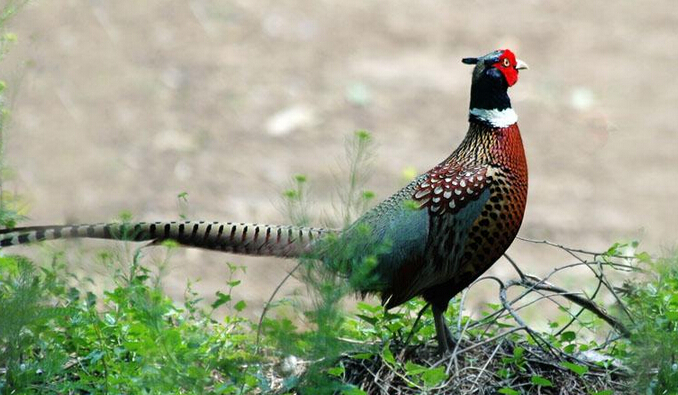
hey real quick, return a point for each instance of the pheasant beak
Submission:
(520, 65)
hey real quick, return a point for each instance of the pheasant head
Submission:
(493, 74)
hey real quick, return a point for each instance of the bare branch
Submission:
(571, 250)
(537, 283)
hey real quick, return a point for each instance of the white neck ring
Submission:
(496, 118)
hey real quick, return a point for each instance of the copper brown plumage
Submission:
(467, 211)
(496, 227)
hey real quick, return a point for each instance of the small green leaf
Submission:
(538, 380)
(644, 257)
(336, 371)
(569, 348)
(579, 369)
(412, 368)
(433, 377)
(368, 319)
(363, 135)
(368, 195)
(240, 306)
(233, 283)
(125, 216)
(221, 299)
(169, 243)
(369, 307)
(291, 194)
(508, 391)
(568, 336)
(387, 355)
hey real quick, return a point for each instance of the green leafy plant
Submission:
(653, 306)
(133, 338)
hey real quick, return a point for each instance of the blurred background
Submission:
(123, 105)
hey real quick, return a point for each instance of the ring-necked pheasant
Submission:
(467, 211)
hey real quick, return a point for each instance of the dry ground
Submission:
(121, 105)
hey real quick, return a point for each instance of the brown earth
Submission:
(122, 105)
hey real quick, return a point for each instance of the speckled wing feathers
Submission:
(450, 186)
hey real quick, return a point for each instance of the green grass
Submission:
(132, 338)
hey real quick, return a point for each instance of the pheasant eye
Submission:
(507, 62)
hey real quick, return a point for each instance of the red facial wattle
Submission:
(507, 65)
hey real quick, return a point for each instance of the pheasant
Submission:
(443, 230)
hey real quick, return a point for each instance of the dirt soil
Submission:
(122, 105)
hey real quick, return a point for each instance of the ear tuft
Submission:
(469, 60)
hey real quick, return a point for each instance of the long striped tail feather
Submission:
(240, 238)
